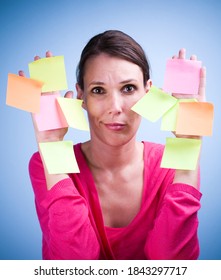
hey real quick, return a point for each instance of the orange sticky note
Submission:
(23, 93)
(195, 118)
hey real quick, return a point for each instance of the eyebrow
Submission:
(122, 82)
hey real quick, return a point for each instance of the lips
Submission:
(115, 126)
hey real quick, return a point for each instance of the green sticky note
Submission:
(154, 104)
(170, 117)
(73, 112)
(50, 71)
(181, 153)
(59, 157)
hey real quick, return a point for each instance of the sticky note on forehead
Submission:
(154, 104)
(181, 153)
(51, 71)
(59, 157)
(182, 76)
(23, 93)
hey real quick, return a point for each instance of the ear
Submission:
(80, 95)
(148, 85)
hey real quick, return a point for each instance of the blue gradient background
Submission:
(162, 27)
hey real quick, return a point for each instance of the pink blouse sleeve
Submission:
(174, 235)
(64, 218)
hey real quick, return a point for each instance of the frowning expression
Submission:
(111, 87)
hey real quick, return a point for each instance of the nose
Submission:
(115, 103)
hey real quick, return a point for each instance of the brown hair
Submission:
(114, 43)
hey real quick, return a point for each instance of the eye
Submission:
(129, 89)
(97, 90)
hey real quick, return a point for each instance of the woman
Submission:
(121, 205)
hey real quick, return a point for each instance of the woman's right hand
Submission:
(53, 134)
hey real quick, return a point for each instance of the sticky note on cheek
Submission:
(182, 76)
(154, 104)
(51, 71)
(59, 157)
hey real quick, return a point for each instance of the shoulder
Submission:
(35, 165)
(153, 151)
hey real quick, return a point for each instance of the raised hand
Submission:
(53, 134)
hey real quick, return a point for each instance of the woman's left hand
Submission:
(201, 96)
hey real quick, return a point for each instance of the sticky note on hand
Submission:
(169, 119)
(182, 76)
(154, 104)
(181, 153)
(195, 118)
(73, 112)
(23, 93)
(51, 71)
(50, 115)
(59, 157)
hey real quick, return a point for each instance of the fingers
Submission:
(47, 54)
(69, 94)
(182, 53)
(202, 86)
(21, 73)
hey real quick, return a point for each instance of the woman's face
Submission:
(111, 87)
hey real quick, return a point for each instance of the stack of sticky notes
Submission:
(50, 110)
(186, 117)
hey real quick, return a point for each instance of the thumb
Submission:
(69, 94)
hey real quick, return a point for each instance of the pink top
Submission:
(72, 225)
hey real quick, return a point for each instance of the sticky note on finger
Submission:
(195, 118)
(51, 71)
(169, 119)
(181, 153)
(23, 93)
(59, 157)
(182, 76)
(50, 115)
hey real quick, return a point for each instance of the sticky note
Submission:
(195, 118)
(59, 157)
(181, 153)
(50, 115)
(182, 76)
(23, 93)
(73, 112)
(154, 104)
(51, 71)
(169, 119)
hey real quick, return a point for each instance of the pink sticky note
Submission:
(50, 116)
(182, 76)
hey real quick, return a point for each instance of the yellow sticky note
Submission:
(73, 112)
(181, 153)
(59, 157)
(23, 93)
(154, 104)
(51, 71)
(170, 117)
(195, 119)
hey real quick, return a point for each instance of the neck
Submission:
(104, 156)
